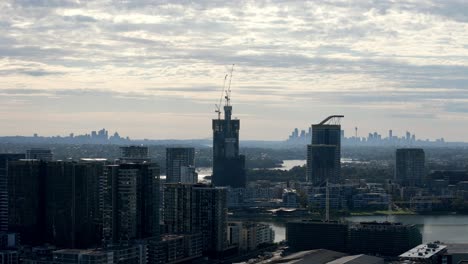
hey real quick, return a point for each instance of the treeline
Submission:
(297, 173)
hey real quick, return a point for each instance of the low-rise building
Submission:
(249, 235)
(425, 253)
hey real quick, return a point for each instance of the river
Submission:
(445, 228)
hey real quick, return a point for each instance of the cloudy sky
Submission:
(150, 69)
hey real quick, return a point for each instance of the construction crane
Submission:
(228, 91)
(218, 106)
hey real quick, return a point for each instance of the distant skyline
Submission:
(149, 69)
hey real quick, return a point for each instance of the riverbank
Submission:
(383, 213)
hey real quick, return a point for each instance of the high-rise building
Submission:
(324, 154)
(197, 209)
(410, 166)
(4, 159)
(72, 213)
(39, 154)
(130, 202)
(180, 165)
(55, 202)
(26, 200)
(134, 154)
(228, 165)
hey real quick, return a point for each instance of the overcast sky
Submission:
(149, 69)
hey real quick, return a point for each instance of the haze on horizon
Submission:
(150, 69)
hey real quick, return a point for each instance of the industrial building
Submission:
(307, 235)
(386, 239)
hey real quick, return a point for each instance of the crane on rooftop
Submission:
(332, 120)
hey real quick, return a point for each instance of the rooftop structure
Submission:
(424, 251)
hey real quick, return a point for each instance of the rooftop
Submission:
(424, 251)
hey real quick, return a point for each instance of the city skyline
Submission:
(75, 66)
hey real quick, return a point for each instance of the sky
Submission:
(155, 69)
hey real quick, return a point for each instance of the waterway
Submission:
(445, 228)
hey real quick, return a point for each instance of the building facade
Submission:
(324, 154)
(130, 202)
(197, 209)
(4, 159)
(228, 164)
(410, 166)
(180, 165)
(39, 154)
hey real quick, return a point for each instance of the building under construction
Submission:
(228, 165)
(324, 154)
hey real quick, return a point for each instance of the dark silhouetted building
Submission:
(39, 154)
(4, 159)
(130, 202)
(228, 165)
(72, 213)
(307, 235)
(55, 202)
(321, 163)
(410, 166)
(197, 209)
(324, 154)
(386, 239)
(180, 165)
(26, 200)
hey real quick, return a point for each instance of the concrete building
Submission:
(228, 164)
(175, 249)
(180, 165)
(4, 159)
(290, 198)
(130, 202)
(134, 254)
(197, 208)
(39, 154)
(324, 154)
(249, 235)
(410, 167)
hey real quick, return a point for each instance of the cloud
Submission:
(299, 56)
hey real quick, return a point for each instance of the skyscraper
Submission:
(4, 159)
(324, 154)
(197, 209)
(410, 166)
(180, 165)
(39, 153)
(228, 165)
(130, 202)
